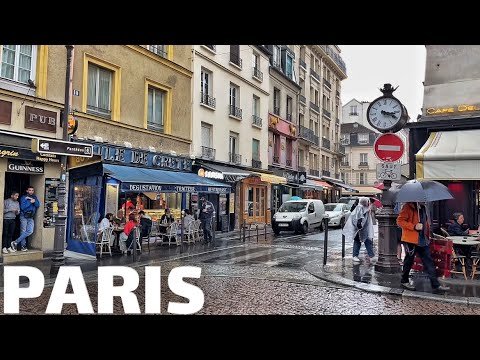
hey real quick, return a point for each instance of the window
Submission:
(235, 55)
(159, 50)
(205, 79)
(234, 95)
(363, 138)
(301, 119)
(156, 106)
(206, 135)
(276, 148)
(99, 90)
(276, 101)
(289, 67)
(255, 149)
(276, 56)
(18, 62)
(233, 148)
(363, 158)
(289, 108)
(255, 61)
(256, 106)
(316, 96)
(301, 159)
(362, 178)
(353, 110)
(345, 139)
(289, 152)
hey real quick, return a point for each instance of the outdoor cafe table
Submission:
(464, 240)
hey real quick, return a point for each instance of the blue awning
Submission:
(137, 179)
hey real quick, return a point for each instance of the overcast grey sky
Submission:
(371, 66)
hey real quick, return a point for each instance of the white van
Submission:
(299, 215)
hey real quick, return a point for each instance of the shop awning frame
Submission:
(136, 179)
(340, 183)
(230, 174)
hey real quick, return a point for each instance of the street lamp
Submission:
(58, 258)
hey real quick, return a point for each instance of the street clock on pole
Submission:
(387, 113)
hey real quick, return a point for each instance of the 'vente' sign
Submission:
(40, 119)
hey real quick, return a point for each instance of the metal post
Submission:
(325, 242)
(213, 225)
(134, 245)
(256, 225)
(387, 238)
(343, 246)
(181, 228)
(58, 258)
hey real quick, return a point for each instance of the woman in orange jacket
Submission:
(414, 221)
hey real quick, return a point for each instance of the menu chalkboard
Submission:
(51, 202)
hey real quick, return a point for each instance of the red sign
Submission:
(389, 147)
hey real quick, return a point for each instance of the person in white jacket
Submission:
(359, 228)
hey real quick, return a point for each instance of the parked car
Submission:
(352, 201)
(338, 214)
(299, 216)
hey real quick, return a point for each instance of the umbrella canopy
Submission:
(376, 202)
(295, 198)
(423, 191)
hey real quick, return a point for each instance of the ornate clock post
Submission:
(388, 115)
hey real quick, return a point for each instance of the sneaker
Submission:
(441, 288)
(24, 248)
(356, 259)
(13, 246)
(373, 260)
(408, 286)
(4, 250)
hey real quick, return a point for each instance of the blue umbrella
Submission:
(295, 198)
(422, 191)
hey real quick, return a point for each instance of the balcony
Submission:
(327, 83)
(236, 60)
(276, 159)
(257, 74)
(344, 164)
(236, 112)
(314, 107)
(257, 164)
(339, 148)
(289, 162)
(314, 172)
(208, 153)
(325, 173)
(303, 64)
(276, 110)
(309, 135)
(277, 65)
(303, 99)
(235, 158)
(314, 75)
(256, 121)
(325, 143)
(302, 168)
(326, 113)
(207, 100)
(363, 164)
(345, 141)
(289, 117)
(337, 93)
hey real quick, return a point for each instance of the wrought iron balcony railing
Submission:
(257, 164)
(309, 135)
(235, 111)
(235, 158)
(256, 120)
(257, 73)
(208, 100)
(208, 153)
(325, 143)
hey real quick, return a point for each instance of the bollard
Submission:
(343, 246)
(325, 242)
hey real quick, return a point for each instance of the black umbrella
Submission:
(423, 191)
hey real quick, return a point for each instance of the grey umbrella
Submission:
(422, 191)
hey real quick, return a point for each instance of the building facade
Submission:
(231, 89)
(320, 70)
(443, 142)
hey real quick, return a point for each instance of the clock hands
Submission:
(392, 114)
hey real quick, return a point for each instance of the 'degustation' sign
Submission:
(389, 147)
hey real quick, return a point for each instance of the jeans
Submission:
(26, 229)
(207, 229)
(368, 245)
(428, 267)
(8, 230)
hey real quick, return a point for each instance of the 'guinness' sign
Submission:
(25, 166)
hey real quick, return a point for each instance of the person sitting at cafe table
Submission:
(166, 218)
(145, 224)
(125, 238)
(106, 222)
(456, 228)
(120, 218)
(187, 219)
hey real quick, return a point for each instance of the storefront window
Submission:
(154, 204)
(86, 214)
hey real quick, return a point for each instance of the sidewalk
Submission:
(364, 277)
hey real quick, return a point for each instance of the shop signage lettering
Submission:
(25, 166)
(210, 174)
(40, 119)
(174, 188)
(128, 156)
(452, 109)
(292, 177)
(24, 154)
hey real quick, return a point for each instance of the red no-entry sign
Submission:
(389, 147)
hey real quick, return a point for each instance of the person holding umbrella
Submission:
(415, 224)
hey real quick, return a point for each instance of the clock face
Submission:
(384, 113)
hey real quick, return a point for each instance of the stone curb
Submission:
(320, 273)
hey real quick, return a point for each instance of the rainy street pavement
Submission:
(268, 277)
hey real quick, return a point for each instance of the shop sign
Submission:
(40, 119)
(25, 166)
(126, 156)
(210, 174)
(59, 147)
(5, 112)
(174, 188)
(25, 154)
(293, 177)
(452, 109)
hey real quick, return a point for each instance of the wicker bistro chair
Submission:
(456, 259)
(172, 233)
(104, 239)
(189, 233)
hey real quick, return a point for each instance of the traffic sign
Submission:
(389, 147)
(389, 171)
(58, 147)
